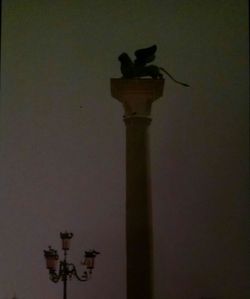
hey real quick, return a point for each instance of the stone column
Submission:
(137, 96)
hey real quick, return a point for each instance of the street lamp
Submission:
(68, 270)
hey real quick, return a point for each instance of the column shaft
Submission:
(138, 210)
(137, 96)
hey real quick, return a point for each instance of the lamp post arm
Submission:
(73, 271)
(55, 277)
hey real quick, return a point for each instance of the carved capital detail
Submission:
(137, 95)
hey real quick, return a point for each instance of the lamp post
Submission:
(68, 270)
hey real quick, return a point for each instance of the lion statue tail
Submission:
(172, 78)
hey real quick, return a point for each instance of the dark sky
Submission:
(63, 144)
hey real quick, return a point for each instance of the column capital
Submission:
(137, 95)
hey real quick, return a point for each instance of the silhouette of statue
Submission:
(139, 68)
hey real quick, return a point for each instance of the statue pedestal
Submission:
(137, 96)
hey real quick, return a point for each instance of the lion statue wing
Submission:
(146, 55)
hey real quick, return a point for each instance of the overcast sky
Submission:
(63, 144)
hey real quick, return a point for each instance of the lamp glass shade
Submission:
(65, 244)
(51, 257)
(51, 263)
(89, 262)
(66, 237)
